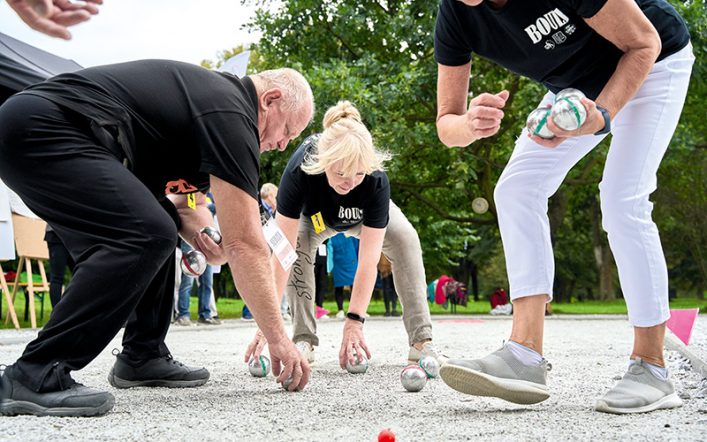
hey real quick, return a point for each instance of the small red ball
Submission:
(386, 436)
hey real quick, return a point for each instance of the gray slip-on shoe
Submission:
(639, 391)
(501, 375)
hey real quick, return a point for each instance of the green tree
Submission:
(379, 55)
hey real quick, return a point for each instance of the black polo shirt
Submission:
(175, 123)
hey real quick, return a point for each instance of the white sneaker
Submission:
(306, 349)
(286, 317)
(428, 349)
(340, 314)
(184, 321)
(639, 391)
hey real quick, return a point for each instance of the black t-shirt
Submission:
(175, 123)
(303, 194)
(545, 40)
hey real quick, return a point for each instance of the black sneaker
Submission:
(77, 400)
(158, 372)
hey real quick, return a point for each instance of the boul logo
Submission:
(350, 213)
(543, 26)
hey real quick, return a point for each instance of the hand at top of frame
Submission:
(53, 17)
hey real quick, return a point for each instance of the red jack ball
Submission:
(386, 436)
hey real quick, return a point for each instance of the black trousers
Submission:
(120, 237)
(321, 281)
(390, 297)
(59, 259)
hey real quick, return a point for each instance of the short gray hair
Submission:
(297, 91)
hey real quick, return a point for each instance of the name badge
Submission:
(279, 244)
(318, 223)
(191, 201)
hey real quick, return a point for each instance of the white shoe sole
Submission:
(476, 383)
(669, 401)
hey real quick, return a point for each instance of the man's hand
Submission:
(256, 346)
(352, 343)
(53, 17)
(215, 255)
(288, 362)
(483, 118)
(593, 124)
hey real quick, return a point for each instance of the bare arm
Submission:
(353, 343)
(248, 257)
(623, 24)
(369, 254)
(289, 227)
(457, 125)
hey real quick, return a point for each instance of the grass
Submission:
(229, 308)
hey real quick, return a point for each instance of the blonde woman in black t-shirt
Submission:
(335, 183)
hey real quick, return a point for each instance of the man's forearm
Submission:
(453, 131)
(253, 275)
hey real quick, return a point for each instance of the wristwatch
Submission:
(607, 121)
(355, 317)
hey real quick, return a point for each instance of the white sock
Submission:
(526, 355)
(657, 371)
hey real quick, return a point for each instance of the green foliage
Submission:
(378, 54)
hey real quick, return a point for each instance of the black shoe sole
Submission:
(117, 382)
(10, 407)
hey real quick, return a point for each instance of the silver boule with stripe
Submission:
(568, 112)
(260, 367)
(193, 263)
(537, 123)
(430, 366)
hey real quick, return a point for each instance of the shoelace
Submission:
(173, 361)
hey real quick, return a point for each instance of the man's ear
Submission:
(270, 96)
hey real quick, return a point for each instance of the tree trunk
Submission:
(603, 257)
(474, 277)
(557, 209)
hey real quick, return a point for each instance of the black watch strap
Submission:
(355, 317)
(607, 121)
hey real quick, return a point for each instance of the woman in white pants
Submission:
(334, 183)
(632, 58)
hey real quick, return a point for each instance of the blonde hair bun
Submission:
(343, 110)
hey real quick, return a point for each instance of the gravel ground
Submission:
(588, 355)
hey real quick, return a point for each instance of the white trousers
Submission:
(641, 133)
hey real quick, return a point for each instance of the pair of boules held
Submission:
(567, 112)
(193, 262)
